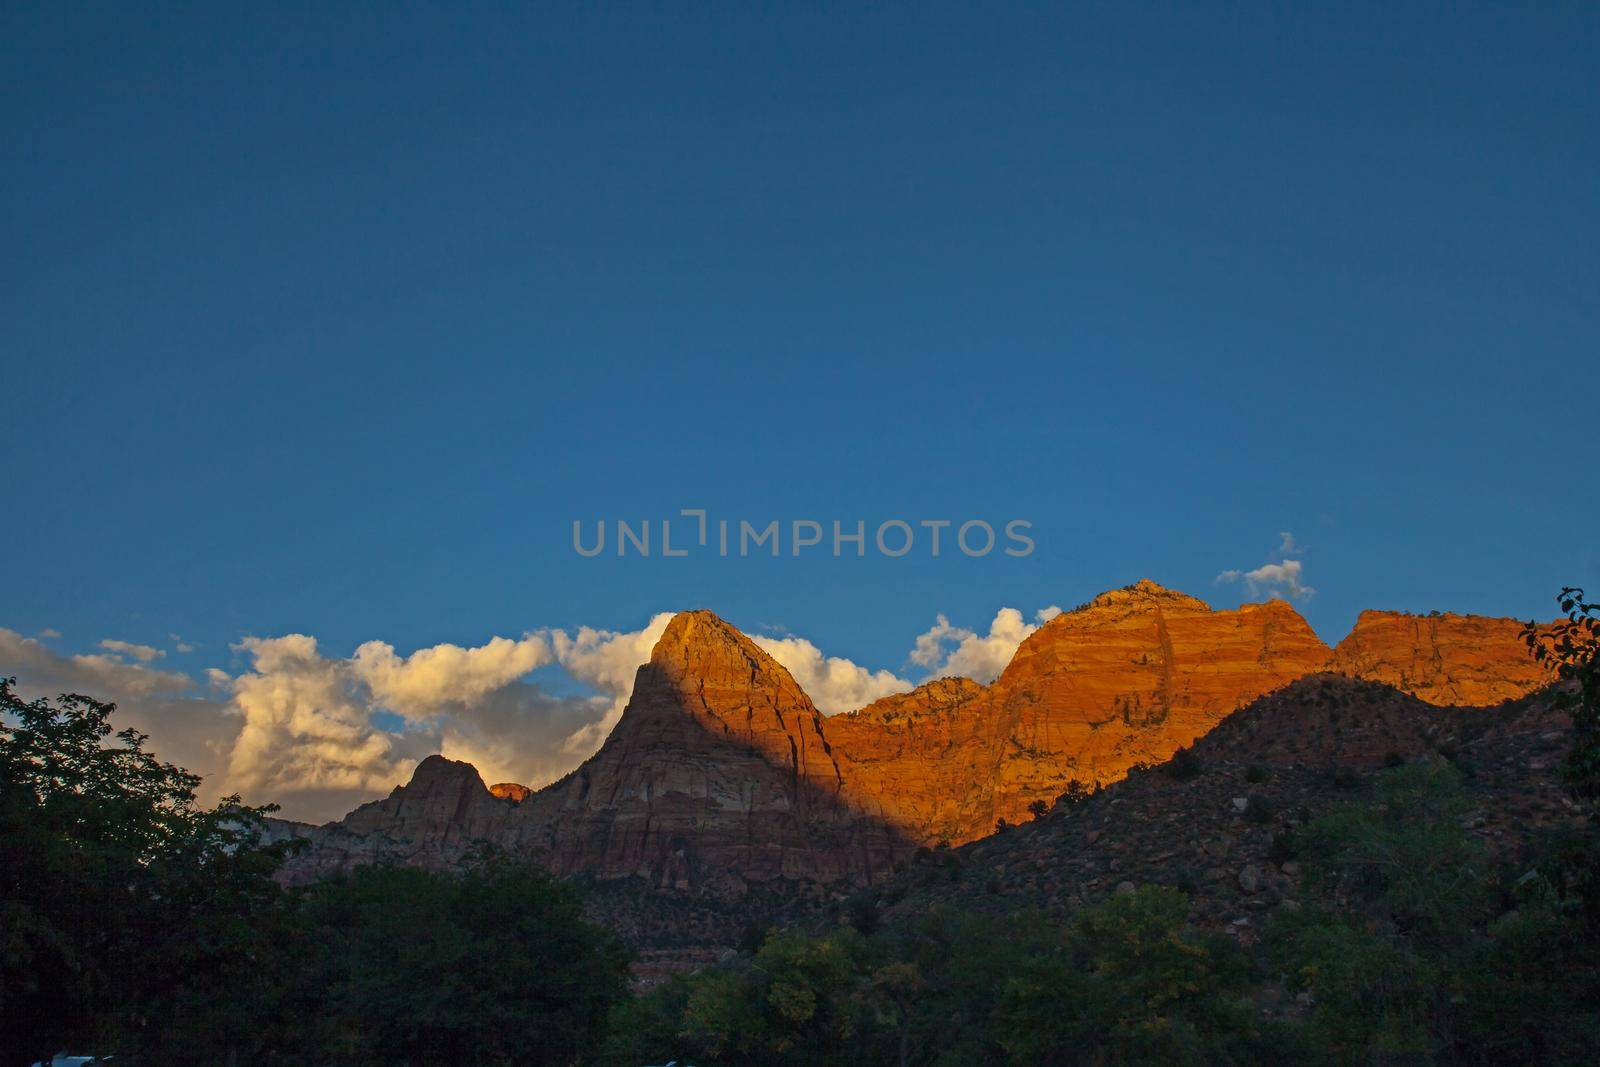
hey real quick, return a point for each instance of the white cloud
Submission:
(948, 651)
(142, 653)
(431, 679)
(309, 722)
(305, 726)
(834, 684)
(49, 632)
(1283, 577)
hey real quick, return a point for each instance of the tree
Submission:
(116, 888)
(491, 965)
(1571, 648)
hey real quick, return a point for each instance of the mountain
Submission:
(718, 775)
(1125, 679)
(722, 778)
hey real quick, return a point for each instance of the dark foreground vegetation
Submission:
(134, 922)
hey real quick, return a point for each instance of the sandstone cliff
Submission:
(1126, 679)
(1443, 659)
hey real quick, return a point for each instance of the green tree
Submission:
(1130, 982)
(117, 890)
(491, 965)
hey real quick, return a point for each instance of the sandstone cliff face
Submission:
(1126, 679)
(511, 791)
(1442, 659)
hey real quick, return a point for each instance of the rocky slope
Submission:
(1123, 680)
(1265, 770)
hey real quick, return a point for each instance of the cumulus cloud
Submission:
(49, 632)
(1282, 577)
(304, 728)
(142, 653)
(304, 724)
(431, 679)
(947, 651)
(833, 683)
(310, 726)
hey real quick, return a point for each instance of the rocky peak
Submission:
(717, 775)
(1144, 593)
(436, 774)
(706, 676)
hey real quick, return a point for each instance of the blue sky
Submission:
(332, 321)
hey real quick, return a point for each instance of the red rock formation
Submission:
(722, 773)
(717, 774)
(1442, 659)
(1126, 679)
(432, 821)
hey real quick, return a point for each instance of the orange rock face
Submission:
(1128, 678)
(511, 791)
(1442, 659)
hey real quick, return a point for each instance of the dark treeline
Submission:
(1413, 946)
(135, 923)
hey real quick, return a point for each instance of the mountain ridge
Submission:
(722, 775)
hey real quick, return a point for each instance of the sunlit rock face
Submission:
(1442, 659)
(1126, 679)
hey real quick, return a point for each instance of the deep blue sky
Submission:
(332, 319)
